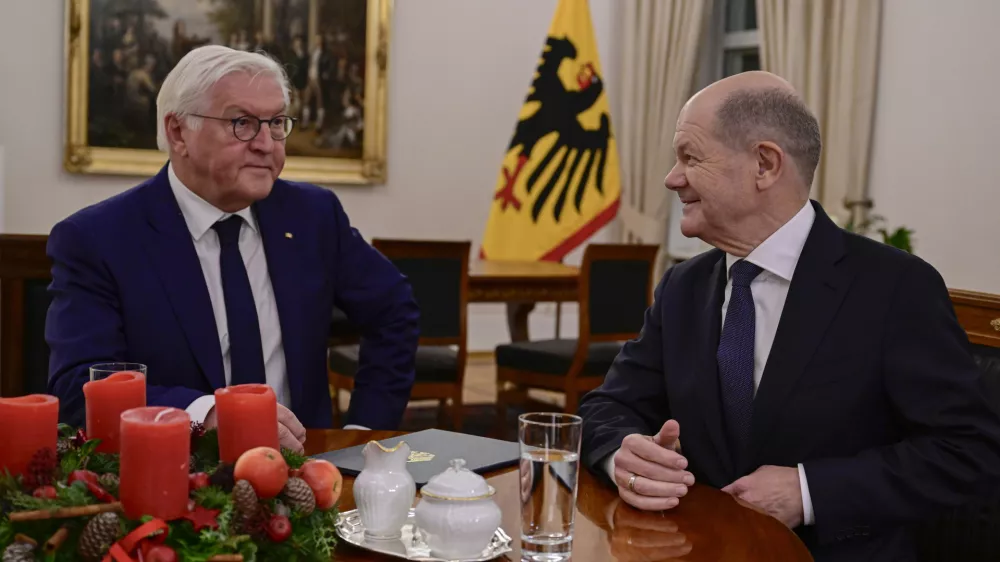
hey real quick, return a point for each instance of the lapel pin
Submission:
(288, 235)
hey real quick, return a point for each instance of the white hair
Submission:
(185, 89)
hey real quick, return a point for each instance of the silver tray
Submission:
(410, 546)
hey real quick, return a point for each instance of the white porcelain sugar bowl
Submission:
(457, 516)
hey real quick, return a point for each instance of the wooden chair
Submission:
(616, 288)
(971, 533)
(25, 273)
(439, 275)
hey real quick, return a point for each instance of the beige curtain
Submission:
(828, 49)
(659, 64)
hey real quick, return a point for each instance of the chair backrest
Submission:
(979, 315)
(438, 272)
(25, 273)
(971, 532)
(616, 288)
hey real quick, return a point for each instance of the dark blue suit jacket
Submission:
(127, 286)
(869, 383)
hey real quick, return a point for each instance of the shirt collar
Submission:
(199, 214)
(779, 253)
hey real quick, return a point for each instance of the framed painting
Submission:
(335, 53)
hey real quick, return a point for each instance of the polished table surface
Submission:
(708, 525)
(527, 281)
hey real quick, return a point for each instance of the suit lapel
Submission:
(172, 253)
(814, 296)
(283, 265)
(707, 325)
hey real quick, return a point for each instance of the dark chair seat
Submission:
(554, 357)
(433, 363)
(341, 327)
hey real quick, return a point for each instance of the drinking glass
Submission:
(550, 462)
(100, 371)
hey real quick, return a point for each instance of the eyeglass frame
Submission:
(260, 124)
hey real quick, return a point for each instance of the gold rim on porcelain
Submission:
(385, 450)
(487, 495)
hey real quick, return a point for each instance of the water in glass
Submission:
(550, 462)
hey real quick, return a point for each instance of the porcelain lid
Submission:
(457, 483)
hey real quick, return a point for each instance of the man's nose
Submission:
(263, 141)
(676, 178)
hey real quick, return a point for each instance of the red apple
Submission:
(325, 480)
(197, 481)
(161, 553)
(45, 492)
(279, 528)
(265, 469)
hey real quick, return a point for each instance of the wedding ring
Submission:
(631, 483)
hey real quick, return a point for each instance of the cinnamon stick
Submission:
(56, 540)
(226, 558)
(64, 512)
(26, 539)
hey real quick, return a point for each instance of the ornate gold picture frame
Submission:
(334, 51)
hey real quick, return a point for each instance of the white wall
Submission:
(459, 72)
(936, 159)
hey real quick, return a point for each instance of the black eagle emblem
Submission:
(559, 113)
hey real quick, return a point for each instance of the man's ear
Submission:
(770, 164)
(175, 140)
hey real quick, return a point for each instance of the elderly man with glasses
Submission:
(215, 272)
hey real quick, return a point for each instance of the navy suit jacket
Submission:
(869, 383)
(127, 286)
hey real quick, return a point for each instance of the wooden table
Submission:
(708, 525)
(521, 285)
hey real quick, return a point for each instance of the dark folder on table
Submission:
(481, 454)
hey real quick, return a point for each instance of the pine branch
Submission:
(293, 459)
(6, 532)
(103, 463)
(212, 497)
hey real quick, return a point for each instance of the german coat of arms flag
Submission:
(559, 182)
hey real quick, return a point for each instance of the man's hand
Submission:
(291, 434)
(773, 489)
(660, 479)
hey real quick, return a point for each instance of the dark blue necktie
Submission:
(735, 356)
(246, 355)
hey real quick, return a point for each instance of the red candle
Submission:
(27, 425)
(106, 400)
(248, 418)
(155, 451)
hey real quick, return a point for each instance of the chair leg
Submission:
(500, 424)
(457, 412)
(442, 412)
(335, 395)
(572, 397)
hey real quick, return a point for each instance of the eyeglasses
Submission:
(246, 127)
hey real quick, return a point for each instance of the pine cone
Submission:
(19, 552)
(100, 533)
(299, 496)
(247, 505)
(109, 482)
(41, 470)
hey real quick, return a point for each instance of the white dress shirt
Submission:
(777, 256)
(200, 215)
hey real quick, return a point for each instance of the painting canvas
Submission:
(334, 52)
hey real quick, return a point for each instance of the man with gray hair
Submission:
(215, 272)
(816, 375)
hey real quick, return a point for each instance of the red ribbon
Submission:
(122, 550)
